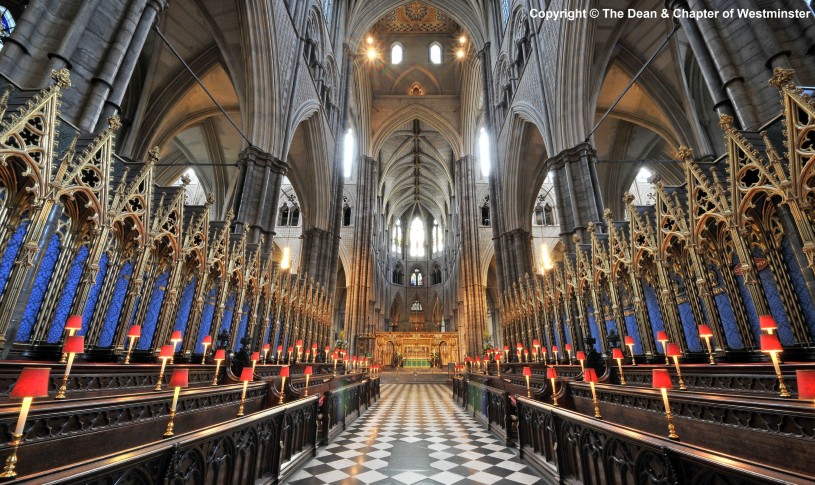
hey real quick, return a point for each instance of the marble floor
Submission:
(415, 434)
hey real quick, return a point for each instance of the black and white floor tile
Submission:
(415, 434)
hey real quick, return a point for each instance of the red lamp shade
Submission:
(246, 374)
(74, 322)
(629, 340)
(616, 353)
(267, 347)
(527, 371)
(255, 356)
(551, 373)
(354, 358)
(207, 340)
(180, 378)
(279, 349)
(75, 344)
(535, 343)
(33, 382)
(327, 349)
(498, 357)
(770, 343)
(590, 375)
(167, 351)
(662, 336)
(291, 349)
(284, 371)
(176, 336)
(673, 350)
(554, 349)
(299, 343)
(307, 371)
(478, 359)
(806, 384)
(335, 356)
(220, 354)
(580, 355)
(506, 347)
(705, 331)
(314, 346)
(767, 322)
(661, 379)
(520, 346)
(568, 347)
(135, 331)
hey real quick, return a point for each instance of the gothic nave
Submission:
(407, 241)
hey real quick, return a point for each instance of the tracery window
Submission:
(348, 153)
(642, 189)
(346, 215)
(417, 238)
(435, 53)
(396, 241)
(416, 278)
(485, 212)
(398, 275)
(416, 306)
(435, 275)
(438, 237)
(484, 152)
(396, 53)
(7, 24)
(283, 220)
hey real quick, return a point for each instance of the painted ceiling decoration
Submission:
(417, 18)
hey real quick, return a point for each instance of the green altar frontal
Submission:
(416, 362)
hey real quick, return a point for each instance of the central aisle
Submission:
(415, 435)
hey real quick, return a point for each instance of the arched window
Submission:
(435, 53)
(416, 278)
(435, 275)
(346, 215)
(642, 189)
(484, 152)
(195, 194)
(348, 152)
(417, 238)
(294, 217)
(485, 212)
(7, 24)
(505, 10)
(327, 10)
(435, 236)
(416, 307)
(396, 241)
(396, 53)
(283, 220)
(398, 275)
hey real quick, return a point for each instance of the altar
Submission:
(416, 349)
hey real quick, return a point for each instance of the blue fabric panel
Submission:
(776, 309)
(153, 311)
(43, 278)
(7, 262)
(206, 318)
(242, 326)
(228, 312)
(119, 294)
(652, 304)
(631, 328)
(593, 326)
(689, 327)
(184, 306)
(799, 284)
(731, 330)
(67, 297)
(93, 296)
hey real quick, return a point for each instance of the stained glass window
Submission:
(505, 10)
(67, 297)
(327, 10)
(7, 24)
(417, 238)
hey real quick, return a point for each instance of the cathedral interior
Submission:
(407, 241)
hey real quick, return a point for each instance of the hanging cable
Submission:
(178, 56)
(633, 80)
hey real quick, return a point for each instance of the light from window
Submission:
(195, 194)
(396, 54)
(7, 24)
(348, 153)
(396, 242)
(327, 10)
(435, 53)
(484, 152)
(642, 189)
(505, 10)
(417, 238)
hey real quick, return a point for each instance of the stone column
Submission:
(576, 190)
(361, 270)
(475, 304)
(255, 200)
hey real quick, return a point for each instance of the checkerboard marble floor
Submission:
(415, 434)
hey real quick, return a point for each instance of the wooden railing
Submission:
(572, 448)
(490, 406)
(341, 406)
(267, 446)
